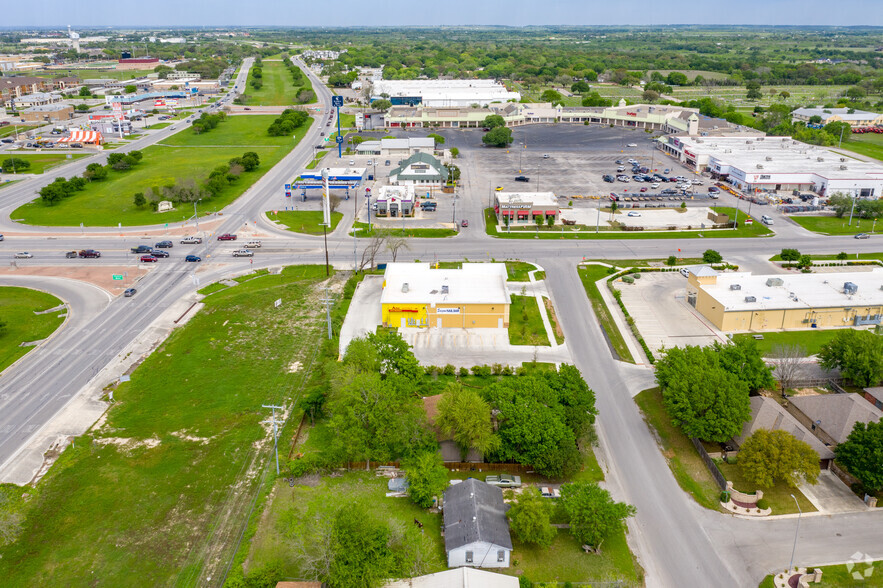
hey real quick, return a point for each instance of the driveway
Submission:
(831, 495)
(469, 347)
(364, 314)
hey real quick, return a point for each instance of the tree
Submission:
(498, 137)
(742, 359)
(439, 140)
(836, 128)
(455, 153)
(81, 107)
(650, 95)
(580, 87)
(15, 164)
(360, 549)
(466, 418)
(855, 93)
(139, 200)
(712, 256)
(858, 355)
(784, 94)
(395, 355)
(595, 99)
(841, 203)
(130, 89)
(381, 105)
(753, 94)
(788, 361)
(768, 457)
(789, 254)
(493, 121)
(529, 518)
(677, 78)
(862, 454)
(396, 244)
(427, 478)
(85, 92)
(592, 513)
(553, 96)
(672, 260)
(805, 262)
(702, 398)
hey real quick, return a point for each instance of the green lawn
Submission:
(157, 126)
(810, 339)
(318, 157)
(517, 271)
(17, 307)
(182, 156)
(278, 88)
(304, 221)
(40, 162)
(833, 256)
(589, 274)
(686, 465)
(12, 129)
(870, 144)
(525, 322)
(423, 233)
(840, 576)
(154, 504)
(755, 229)
(779, 496)
(831, 225)
(553, 320)
(114, 74)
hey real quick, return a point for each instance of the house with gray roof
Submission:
(459, 578)
(476, 528)
(421, 170)
(837, 414)
(874, 395)
(768, 414)
(855, 118)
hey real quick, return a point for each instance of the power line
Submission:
(328, 301)
(272, 420)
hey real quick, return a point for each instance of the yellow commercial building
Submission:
(417, 296)
(744, 302)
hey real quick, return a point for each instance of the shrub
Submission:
(464, 372)
(497, 369)
(628, 279)
(763, 504)
(725, 496)
(449, 370)
(672, 260)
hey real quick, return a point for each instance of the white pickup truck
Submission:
(243, 253)
(253, 244)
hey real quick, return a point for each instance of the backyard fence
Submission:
(456, 466)
(709, 463)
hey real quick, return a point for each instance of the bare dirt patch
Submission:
(98, 276)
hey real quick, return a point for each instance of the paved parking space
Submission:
(831, 495)
(658, 303)
(364, 314)
(695, 217)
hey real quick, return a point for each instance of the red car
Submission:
(643, 189)
(147, 258)
(226, 237)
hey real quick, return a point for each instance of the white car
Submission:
(697, 182)
(632, 145)
(23, 255)
(243, 253)
(654, 185)
(190, 240)
(253, 244)
(633, 213)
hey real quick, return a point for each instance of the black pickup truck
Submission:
(142, 249)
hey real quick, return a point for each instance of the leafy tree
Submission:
(529, 518)
(805, 262)
(753, 94)
(841, 203)
(580, 87)
(114, 158)
(858, 355)
(592, 513)
(789, 254)
(768, 457)
(95, 172)
(427, 477)
(498, 137)
(439, 140)
(288, 121)
(139, 200)
(862, 454)
(650, 96)
(466, 418)
(493, 121)
(130, 89)
(855, 93)
(672, 260)
(835, 128)
(553, 96)
(743, 359)
(455, 152)
(395, 355)
(712, 256)
(382, 105)
(15, 164)
(81, 107)
(677, 78)
(784, 94)
(595, 99)
(815, 119)
(702, 398)
(85, 92)
(360, 550)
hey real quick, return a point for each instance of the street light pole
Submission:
(796, 532)
(851, 210)
(196, 214)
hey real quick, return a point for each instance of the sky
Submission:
(335, 13)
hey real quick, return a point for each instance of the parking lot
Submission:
(661, 219)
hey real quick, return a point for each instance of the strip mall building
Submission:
(415, 295)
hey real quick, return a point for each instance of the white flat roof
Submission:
(474, 283)
(797, 290)
(781, 155)
(535, 198)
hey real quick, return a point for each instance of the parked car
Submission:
(608, 178)
(546, 156)
(464, 223)
(862, 236)
(129, 292)
(164, 245)
(632, 145)
(193, 258)
(148, 258)
(634, 213)
(618, 162)
(23, 255)
(89, 253)
(189, 240)
(243, 253)
(644, 189)
(522, 179)
(654, 185)
(503, 481)
(227, 237)
(713, 189)
(547, 492)
(71, 255)
(7, 140)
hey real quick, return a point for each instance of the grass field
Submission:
(516, 271)
(869, 144)
(779, 496)
(182, 156)
(525, 323)
(96, 74)
(17, 307)
(811, 340)
(841, 576)
(304, 221)
(40, 162)
(685, 463)
(425, 233)
(12, 129)
(755, 229)
(278, 88)
(833, 256)
(157, 126)
(589, 274)
(165, 485)
(831, 225)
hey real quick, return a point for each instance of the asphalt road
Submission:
(677, 542)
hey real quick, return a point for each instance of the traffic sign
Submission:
(337, 101)
(117, 277)
(339, 139)
(287, 187)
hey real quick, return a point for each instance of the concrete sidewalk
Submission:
(619, 319)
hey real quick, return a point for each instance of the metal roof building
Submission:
(476, 529)
(442, 92)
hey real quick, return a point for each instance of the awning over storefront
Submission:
(551, 212)
(82, 137)
(538, 213)
(522, 213)
(508, 213)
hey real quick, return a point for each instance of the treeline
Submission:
(303, 93)
(207, 122)
(63, 188)
(288, 121)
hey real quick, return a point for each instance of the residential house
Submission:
(837, 414)
(476, 528)
(458, 578)
(875, 396)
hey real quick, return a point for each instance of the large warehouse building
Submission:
(744, 302)
(450, 93)
(415, 295)
(767, 164)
